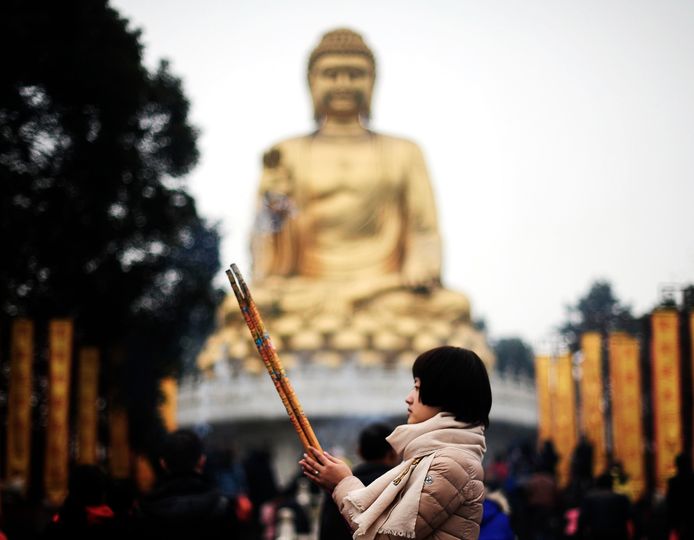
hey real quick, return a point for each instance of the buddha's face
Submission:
(341, 85)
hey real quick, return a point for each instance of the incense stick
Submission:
(271, 359)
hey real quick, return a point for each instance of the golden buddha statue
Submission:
(346, 248)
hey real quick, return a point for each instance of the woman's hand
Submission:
(323, 469)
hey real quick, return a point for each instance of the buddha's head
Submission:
(341, 75)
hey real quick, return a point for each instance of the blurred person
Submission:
(541, 494)
(496, 524)
(183, 504)
(228, 475)
(582, 461)
(436, 492)
(604, 514)
(227, 472)
(378, 458)
(497, 473)
(680, 499)
(84, 513)
(547, 458)
(580, 482)
(262, 488)
(300, 509)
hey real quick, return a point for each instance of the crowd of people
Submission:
(599, 507)
(208, 497)
(423, 479)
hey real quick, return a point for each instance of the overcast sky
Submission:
(559, 134)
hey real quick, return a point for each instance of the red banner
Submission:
(19, 405)
(544, 402)
(627, 422)
(667, 401)
(88, 412)
(564, 412)
(57, 430)
(592, 401)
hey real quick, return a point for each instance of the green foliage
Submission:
(96, 221)
(599, 310)
(514, 357)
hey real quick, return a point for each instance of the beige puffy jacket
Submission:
(450, 503)
(450, 506)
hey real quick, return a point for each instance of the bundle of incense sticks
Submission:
(271, 360)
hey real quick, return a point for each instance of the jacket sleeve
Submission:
(452, 496)
(340, 492)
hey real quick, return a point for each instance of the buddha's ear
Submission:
(365, 112)
(318, 112)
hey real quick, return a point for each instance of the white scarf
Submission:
(390, 504)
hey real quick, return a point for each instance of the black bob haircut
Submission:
(456, 380)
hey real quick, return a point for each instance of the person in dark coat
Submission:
(604, 514)
(84, 513)
(184, 505)
(378, 457)
(680, 494)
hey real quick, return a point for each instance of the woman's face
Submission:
(416, 410)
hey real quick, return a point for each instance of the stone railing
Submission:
(350, 390)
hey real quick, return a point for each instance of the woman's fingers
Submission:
(312, 477)
(311, 463)
(317, 455)
(331, 457)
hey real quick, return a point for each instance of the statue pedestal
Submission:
(331, 340)
(241, 410)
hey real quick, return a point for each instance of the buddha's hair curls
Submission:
(341, 41)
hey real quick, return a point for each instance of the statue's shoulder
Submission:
(399, 145)
(290, 143)
(286, 149)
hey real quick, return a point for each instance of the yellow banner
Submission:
(544, 403)
(57, 430)
(169, 407)
(88, 412)
(667, 401)
(627, 423)
(564, 407)
(19, 405)
(119, 447)
(592, 402)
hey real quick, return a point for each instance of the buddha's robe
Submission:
(347, 223)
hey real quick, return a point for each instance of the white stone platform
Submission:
(348, 390)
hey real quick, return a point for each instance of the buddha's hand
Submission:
(421, 269)
(323, 469)
(421, 275)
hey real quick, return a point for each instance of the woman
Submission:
(437, 490)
